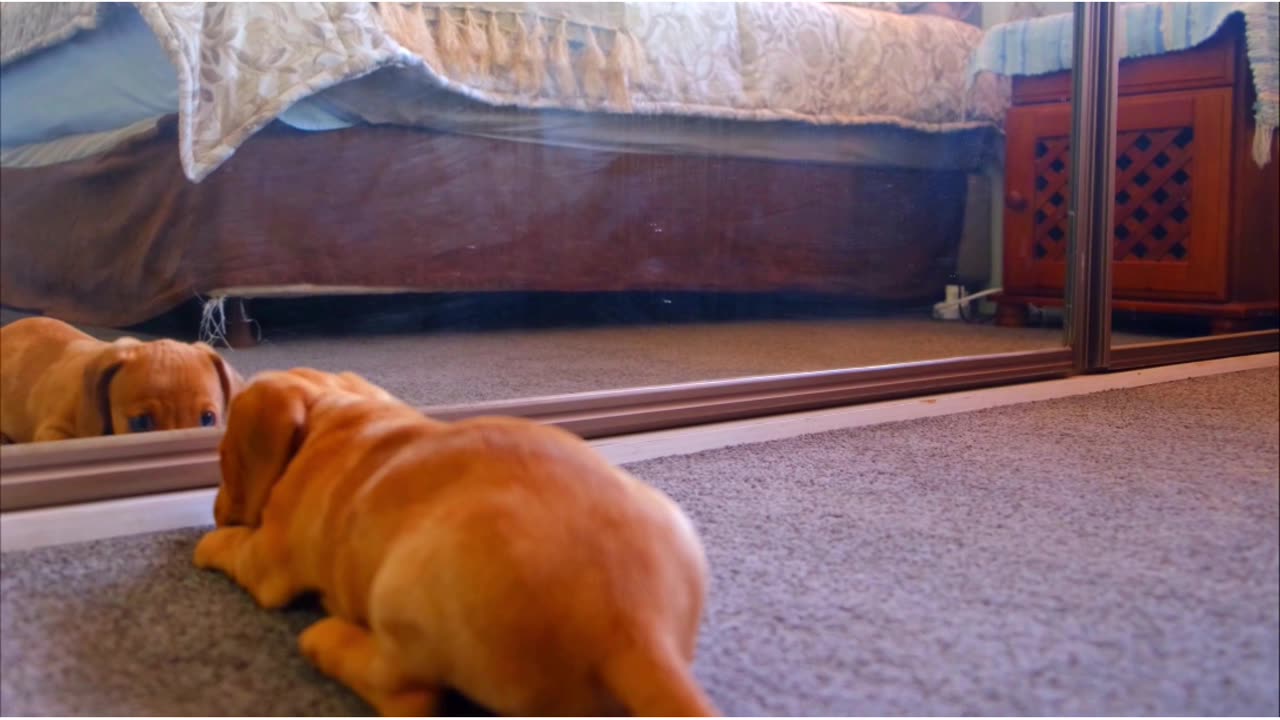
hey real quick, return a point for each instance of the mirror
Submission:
(545, 200)
(1196, 221)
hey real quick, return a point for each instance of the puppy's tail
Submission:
(652, 680)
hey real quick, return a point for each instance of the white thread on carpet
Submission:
(213, 321)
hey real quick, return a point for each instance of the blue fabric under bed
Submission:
(108, 78)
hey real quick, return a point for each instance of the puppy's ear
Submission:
(93, 416)
(230, 380)
(265, 428)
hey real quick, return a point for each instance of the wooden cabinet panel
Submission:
(1171, 190)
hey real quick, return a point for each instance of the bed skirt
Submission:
(122, 237)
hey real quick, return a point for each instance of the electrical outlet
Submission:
(949, 308)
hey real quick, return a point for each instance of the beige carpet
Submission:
(1112, 554)
(446, 367)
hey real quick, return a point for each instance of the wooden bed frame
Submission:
(120, 238)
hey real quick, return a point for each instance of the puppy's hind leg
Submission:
(349, 654)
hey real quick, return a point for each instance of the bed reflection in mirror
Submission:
(470, 202)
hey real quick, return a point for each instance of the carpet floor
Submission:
(447, 367)
(455, 367)
(1111, 554)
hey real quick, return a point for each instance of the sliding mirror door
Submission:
(1196, 225)
(549, 211)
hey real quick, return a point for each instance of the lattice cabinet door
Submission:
(1173, 165)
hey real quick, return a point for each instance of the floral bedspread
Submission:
(242, 64)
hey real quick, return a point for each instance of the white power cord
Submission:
(949, 309)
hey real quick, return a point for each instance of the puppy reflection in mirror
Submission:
(57, 383)
(496, 557)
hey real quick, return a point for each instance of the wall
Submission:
(994, 14)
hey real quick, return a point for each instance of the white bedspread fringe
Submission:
(1262, 139)
(544, 56)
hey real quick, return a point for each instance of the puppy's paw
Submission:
(324, 642)
(273, 591)
(407, 703)
(216, 550)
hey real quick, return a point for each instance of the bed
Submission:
(183, 150)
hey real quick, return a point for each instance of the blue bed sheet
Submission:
(104, 79)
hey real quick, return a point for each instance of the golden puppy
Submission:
(497, 557)
(58, 383)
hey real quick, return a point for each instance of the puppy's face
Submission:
(266, 426)
(134, 387)
(161, 385)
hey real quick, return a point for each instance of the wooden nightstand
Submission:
(1197, 222)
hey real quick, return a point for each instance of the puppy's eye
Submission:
(141, 423)
(208, 419)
